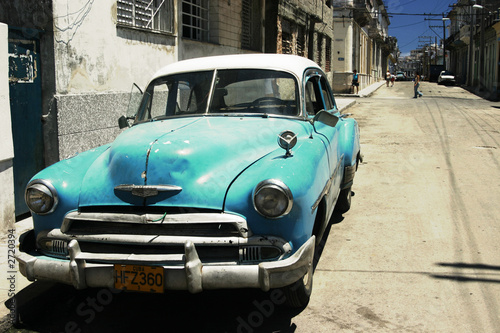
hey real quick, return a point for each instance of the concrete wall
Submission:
(96, 64)
(7, 214)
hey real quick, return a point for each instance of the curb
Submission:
(366, 92)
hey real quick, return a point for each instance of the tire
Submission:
(297, 294)
(344, 200)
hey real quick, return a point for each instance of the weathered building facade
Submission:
(474, 45)
(361, 42)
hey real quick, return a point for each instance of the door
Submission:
(26, 111)
(318, 98)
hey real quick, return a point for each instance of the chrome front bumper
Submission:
(190, 275)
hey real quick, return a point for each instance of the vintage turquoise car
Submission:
(226, 177)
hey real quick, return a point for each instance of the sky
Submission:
(409, 28)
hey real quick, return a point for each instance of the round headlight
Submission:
(41, 197)
(272, 198)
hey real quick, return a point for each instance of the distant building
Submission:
(475, 60)
(361, 42)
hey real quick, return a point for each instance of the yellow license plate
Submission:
(139, 278)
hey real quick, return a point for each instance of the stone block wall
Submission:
(89, 120)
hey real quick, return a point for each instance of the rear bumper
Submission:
(189, 275)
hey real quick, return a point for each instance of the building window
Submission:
(320, 50)
(328, 54)
(301, 41)
(250, 24)
(286, 37)
(195, 19)
(156, 15)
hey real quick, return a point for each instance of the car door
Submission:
(318, 97)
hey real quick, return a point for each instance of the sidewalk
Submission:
(344, 101)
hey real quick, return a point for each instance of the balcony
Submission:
(361, 9)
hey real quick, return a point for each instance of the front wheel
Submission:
(344, 200)
(297, 294)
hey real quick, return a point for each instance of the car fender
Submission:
(305, 172)
(349, 145)
(66, 176)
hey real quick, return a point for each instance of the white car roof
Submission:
(289, 63)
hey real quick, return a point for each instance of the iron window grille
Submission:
(195, 19)
(155, 15)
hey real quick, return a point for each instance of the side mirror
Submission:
(326, 118)
(123, 122)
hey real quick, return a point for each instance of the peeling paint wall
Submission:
(96, 64)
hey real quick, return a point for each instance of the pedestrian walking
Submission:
(393, 78)
(416, 84)
(355, 81)
(387, 78)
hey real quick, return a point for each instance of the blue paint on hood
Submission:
(201, 155)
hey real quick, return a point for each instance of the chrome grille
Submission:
(251, 253)
(193, 224)
(59, 247)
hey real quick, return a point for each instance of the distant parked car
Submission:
(400, 76)
(446, 77)
(227, 177)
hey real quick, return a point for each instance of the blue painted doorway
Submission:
(25, 90)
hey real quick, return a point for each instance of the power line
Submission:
(416, 14)
(407, 25)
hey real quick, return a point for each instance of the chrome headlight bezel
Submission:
(46, 192)
(275, 190)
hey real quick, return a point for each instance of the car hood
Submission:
(198, 157)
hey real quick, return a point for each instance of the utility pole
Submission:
(444, 42)
(436, 50)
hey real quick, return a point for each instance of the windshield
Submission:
(235, 92)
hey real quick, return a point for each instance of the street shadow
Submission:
(465, 275)
(61, 308)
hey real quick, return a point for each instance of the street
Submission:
(417, 252)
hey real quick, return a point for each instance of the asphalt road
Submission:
(417, 252)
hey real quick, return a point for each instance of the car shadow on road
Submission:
(61, 308)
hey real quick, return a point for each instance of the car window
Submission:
(327, 95)
(178, 94)
(255, 91)
(314, 102)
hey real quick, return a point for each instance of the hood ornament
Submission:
(145, 191)
(287, 140)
